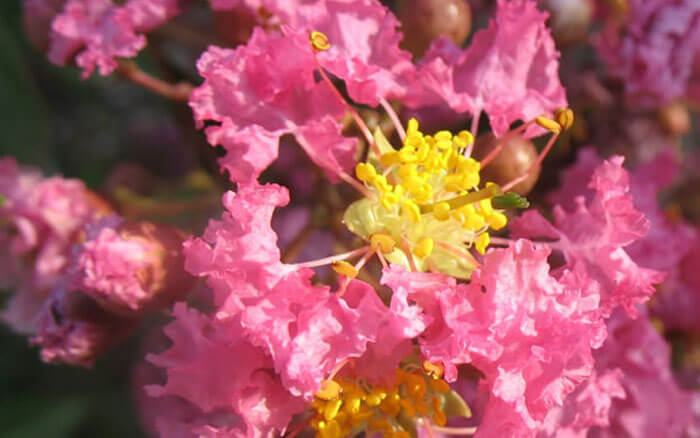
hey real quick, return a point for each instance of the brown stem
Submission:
(130, 71)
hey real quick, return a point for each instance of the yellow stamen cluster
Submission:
(427, 197)
(346, 407)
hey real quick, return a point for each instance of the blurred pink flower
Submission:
(41, 219)
(654, 53)
(131, 268)
(96, 32)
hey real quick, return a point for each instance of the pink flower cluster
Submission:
(551, 329)
(81, 279)
(655, 53)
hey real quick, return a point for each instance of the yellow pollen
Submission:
(548, 124)
(482, 242)
(344, 268)
(434, 369)
(382, 242)
(427, 193)
(358, 406)
(424, 247)
(319, 40)
(564, 117)
(330, 389)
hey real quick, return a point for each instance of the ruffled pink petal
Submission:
(213, 366)
(261, 91)
(594, 234)
(510, 70)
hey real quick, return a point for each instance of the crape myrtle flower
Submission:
(72, 328)
(654, 51)
(40, 219)
(130, 268)
(120, 272)
(94, 33)
(509, 71)
(593, 228)
(669, 246)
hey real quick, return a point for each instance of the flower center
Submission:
(346, 407)
(427, 199)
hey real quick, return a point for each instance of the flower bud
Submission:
(569, 19)
(514, 160)
(131, 268)
(422, 21)
(675, 118)
(73, 329)
(234, 27)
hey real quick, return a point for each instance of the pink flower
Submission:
(97, 32)
(530, 334)
(654, 404)
(587, 406)
(654, 53)
(239, 255)
(213, 366)
(509, 71)
(594, 235)
(73, 329)
(131, 268)
(43, 219)
(261, 91)
(364, 48)
(305, 329)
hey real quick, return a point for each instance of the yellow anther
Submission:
(440, 386)
(330, 389)
(389, 158)
(472, 220)
(319, 40)
(444, 144)
(434, 369)
(389, 199)
(441, 211)
(407, 170)
(548, 124)
(365, 172)
(497, 220)
(466, 137)
(443, 135)
(344, 268)
(331, 409)
(382, 242)
(412, 127)
(411, 209)
(330, 429)
(564, 117)
(438, 415)
(352, 405)
(424, 247)
(482, 242)
(381, 183)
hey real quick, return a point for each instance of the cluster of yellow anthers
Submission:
(346, 407)
(427, 200)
